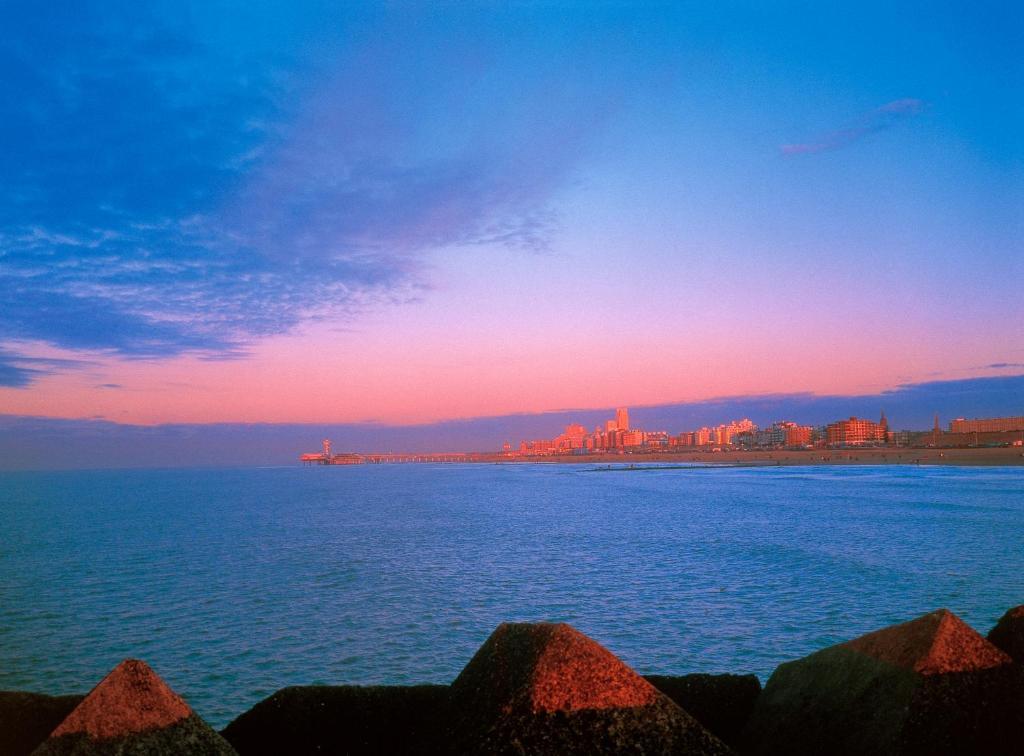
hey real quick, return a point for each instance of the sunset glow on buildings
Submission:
(987, 425)
(741, 434)
(738, 435)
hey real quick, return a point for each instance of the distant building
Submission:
(987, 425)
(326, 457)
(656, 438)
(903, 437)
(855, 432)
(746, 424)
(745, 440)
(778, 435)
(539, 446)
(622, 419)
(633, 438)
(798, 435)
(575, 430)
(571, 439)
(724, 434)
(347, 458)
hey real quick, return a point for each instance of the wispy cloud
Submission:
(18, 371)
(879, 119)
(159, 196)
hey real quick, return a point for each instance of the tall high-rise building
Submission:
(622, 418)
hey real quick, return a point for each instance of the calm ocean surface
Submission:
(234, 583)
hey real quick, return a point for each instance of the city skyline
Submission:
(405, 215)
(618, 435)
(33, 443)
(616, 438)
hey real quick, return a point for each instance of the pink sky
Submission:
(467, 350)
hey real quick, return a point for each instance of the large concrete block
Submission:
(929, 686)
(1008, 634)
(27, 719)
(345, 719)
(548, 689)
(133, 711)
(722, 703)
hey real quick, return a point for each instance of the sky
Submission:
(405, 214)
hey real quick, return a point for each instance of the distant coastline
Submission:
(1004, 456)
(963, 457)
(852, 441)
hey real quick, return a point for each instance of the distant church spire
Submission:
(883, 422)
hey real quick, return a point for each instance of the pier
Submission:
(326, 457)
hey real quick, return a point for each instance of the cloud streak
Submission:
(879, 119)
(162, 195)
(18, 371)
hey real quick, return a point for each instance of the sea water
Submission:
(232, 583)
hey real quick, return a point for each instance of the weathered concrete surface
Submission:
(1008, 634)
(27, 719)
(722, 703)
(548, 689)
(132, 711)
(346, 719)
(929, 686)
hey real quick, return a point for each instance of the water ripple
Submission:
(233, 583)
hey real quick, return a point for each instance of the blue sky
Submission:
(231, 201)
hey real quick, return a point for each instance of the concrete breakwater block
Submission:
(721, 703)
(1008, 634)
(344, 719)
(26, 719)
(929, 686)
(548, 689)
(132, 711)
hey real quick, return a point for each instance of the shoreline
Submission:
(994, 457)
